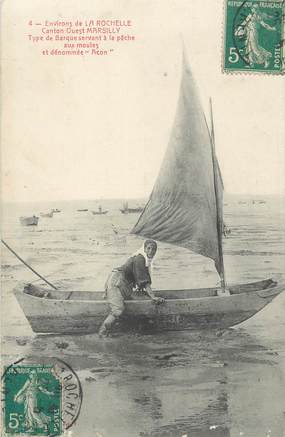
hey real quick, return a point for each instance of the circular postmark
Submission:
(42, 396)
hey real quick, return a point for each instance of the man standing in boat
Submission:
(133, 276)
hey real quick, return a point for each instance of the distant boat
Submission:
(127, 210)
(47, 214)
(81, 210)
(29, 221)
(100, 211)
(56, 210)
(258, 202)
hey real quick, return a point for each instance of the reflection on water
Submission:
(193, 384)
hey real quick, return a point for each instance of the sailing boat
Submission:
(185, 209)
(100, 211)
(127, 210)
(29, 221)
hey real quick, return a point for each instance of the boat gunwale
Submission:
(277, 290)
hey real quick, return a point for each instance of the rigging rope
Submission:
(27, 265)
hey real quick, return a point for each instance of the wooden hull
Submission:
(99, 212)
(131, 210)
(48, 215)
(67, 312)
(29, 221)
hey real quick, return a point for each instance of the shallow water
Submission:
(173, 384)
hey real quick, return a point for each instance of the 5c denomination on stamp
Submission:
(253, 36)
(41, 398)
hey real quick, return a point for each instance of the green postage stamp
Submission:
(40, 399)
(254, 36)
(32, 401)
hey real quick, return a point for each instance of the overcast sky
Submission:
(96, 127)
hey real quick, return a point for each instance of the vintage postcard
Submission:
(143, 218)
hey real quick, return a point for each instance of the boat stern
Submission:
(273, 290)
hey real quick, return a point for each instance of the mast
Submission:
(218, 210)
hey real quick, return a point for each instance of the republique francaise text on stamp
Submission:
(253, 36)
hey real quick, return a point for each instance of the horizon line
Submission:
(89, 199)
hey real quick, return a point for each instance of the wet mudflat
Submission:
(192, 384)
(198, 384)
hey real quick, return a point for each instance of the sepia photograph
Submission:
(143, 218)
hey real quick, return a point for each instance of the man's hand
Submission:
(158, 300)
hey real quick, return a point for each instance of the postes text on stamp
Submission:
(253, 36)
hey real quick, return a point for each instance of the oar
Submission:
(27, 265)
